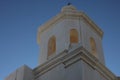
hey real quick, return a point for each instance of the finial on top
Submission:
(68, 8)
(69, 4)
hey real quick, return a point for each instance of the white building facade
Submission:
(70, 49)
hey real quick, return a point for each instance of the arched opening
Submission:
(93, 47)
(51, 45)
(74, 36)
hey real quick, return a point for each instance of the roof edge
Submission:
(63, 15)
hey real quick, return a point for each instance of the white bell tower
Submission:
(70, 49)
(66, 30)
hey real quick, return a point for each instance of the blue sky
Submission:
(20, 19)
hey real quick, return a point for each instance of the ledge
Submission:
(70, 57)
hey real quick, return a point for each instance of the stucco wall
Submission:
(22, 73)
(87, 32)
(58, 31)
(61, 30)
(90, 73)
(76, 71)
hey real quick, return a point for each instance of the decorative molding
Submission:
(68, 15)
(70, 57)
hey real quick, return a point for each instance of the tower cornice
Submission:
(69, 57)
(69, 14)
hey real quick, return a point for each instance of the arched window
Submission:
(73, 36)
(51, 45)
(93, 47)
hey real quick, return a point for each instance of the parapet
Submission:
(22, 73)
